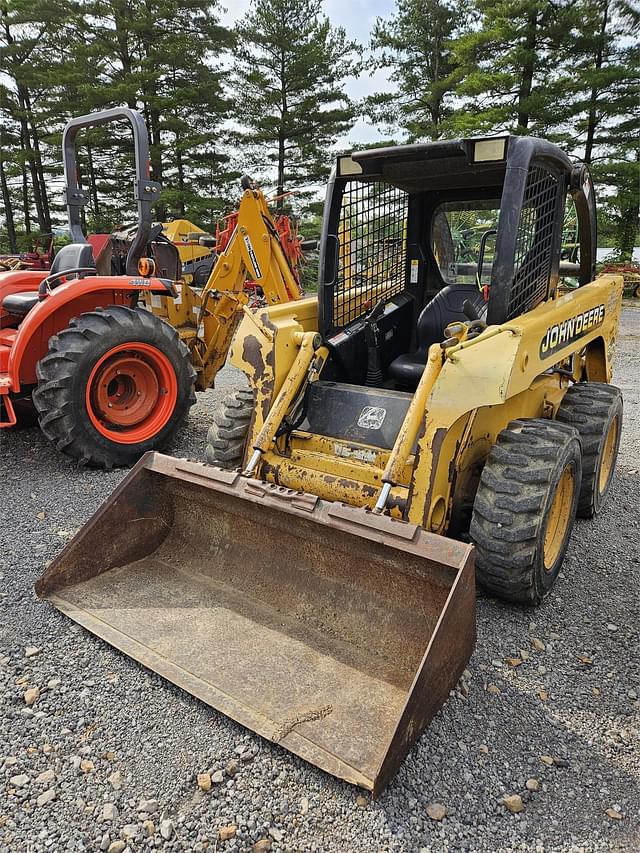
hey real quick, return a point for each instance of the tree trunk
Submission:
(123, 25)
(83, 210)
(281, 135)
(280, 189)
(592, 120)
(35, 136)
(180, 170)
(8, 208)
(26, 134)
(436, 102)
(528, 68)
(156, 143)
(25, 198)
(30, 159)
(152, 119)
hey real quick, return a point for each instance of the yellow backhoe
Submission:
(439, 404)
(206, 317)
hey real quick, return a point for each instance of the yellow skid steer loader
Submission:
(438, 400)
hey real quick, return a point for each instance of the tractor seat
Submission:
(70, 257)
(19, 304)
(443, 309)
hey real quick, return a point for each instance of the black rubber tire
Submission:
(227, 434)
(63, 373)
(511, 508)
(591, 408)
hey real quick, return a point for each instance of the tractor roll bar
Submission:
(146, 192)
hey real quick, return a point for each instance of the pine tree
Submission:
(289, 88)
(416, 45)
(509, 64)
(162, 57)
(7, 219)
(33, 34)
(602, 79)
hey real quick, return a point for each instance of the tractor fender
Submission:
(53, 313)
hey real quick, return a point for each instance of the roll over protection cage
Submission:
(146, 191)
(451, 168)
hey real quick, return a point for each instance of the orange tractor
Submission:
(111, 362)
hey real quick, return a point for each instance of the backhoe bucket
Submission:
(330, 630)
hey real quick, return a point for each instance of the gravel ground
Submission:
(107, 746)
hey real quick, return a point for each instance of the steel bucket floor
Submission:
(200, 634)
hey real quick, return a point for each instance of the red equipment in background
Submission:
(36, 259)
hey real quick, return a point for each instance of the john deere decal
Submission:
(562, 334)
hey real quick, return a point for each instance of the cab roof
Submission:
(451, 164)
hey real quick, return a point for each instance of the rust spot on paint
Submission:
(252, 354)
(436, 446)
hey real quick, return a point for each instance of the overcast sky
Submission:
(357, 17)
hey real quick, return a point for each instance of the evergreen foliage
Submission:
(416, 45)
(269, 96)
(567, 71)
(290, 99)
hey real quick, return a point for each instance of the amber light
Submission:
(146, 266)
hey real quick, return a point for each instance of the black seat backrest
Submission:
(73, 256)
(445, 308)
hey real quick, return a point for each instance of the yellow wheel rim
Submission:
(558, 518)
(608, 457)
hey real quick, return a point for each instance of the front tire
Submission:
(116, 383)
(227, 434)
(525, 508)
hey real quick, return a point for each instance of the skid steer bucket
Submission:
(332, 631)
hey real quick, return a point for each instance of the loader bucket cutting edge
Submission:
(331, 631)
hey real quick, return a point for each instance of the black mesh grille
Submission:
(534, 242)
(372, 238)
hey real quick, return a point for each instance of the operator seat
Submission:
(443, 309)
(69, 258)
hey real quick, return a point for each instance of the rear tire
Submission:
(525, 508)
(227, 434)
(595, 410)
(116, 383)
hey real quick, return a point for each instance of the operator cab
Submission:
(417, 237)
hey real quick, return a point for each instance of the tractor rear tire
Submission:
(525, 508)
(228, 433)
(595, 410)
(115, 383)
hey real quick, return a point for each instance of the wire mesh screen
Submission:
(534, 242)
(372, 240)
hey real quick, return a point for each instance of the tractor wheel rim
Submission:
(558, 518)
(607, 458)
(131, 393)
